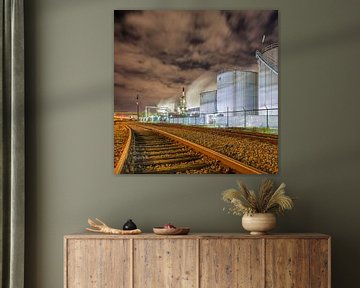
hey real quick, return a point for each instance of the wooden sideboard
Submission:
(197, 260)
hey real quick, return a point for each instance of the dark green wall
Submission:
(69, 85)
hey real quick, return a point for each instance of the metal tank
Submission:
(208, 102)
(237, 91)
(268, 79)
(247, 90)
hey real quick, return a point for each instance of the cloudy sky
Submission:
(159, 52)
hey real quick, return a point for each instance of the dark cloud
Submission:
(180, 80)
(159, 52)
(190, 64)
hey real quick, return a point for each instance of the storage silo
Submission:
(208, 102)
(268, 79)
(247, 90)
(226, 91)
(237, 91)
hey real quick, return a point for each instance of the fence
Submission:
(255, 118)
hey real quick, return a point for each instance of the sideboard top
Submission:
(87, 235)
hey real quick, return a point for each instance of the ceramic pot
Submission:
(259, 223)
(129, 225)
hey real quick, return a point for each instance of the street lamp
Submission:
(137, 106)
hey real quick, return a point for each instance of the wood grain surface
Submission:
(98, 263)
(89, 235)
(231, 263)
(197, 260)
(319, 263)
(165, 263)
(287, 263)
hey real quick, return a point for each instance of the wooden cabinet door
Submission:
(231, 263)
(287, 263)
(297, 263)
(320, 263)
(98, 263)
(166, 263)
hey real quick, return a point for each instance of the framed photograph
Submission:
(196, 92)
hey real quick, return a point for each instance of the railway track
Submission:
(264, 137)
(152, 151)
(271, 138)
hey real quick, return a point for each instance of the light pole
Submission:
(137, 106)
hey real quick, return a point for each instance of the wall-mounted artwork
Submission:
(196, 92)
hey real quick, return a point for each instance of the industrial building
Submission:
(237, 91)
(195, 111)
(246, 98)
(268, 79)
(208, 102)
(242, 98)
(180, 104)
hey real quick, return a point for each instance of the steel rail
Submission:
(271, 138)
(235, 165)
(256, 136)
(124, 153)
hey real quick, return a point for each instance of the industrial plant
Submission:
(204, 102)
(242, 98)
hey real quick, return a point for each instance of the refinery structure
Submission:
(241, 99)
